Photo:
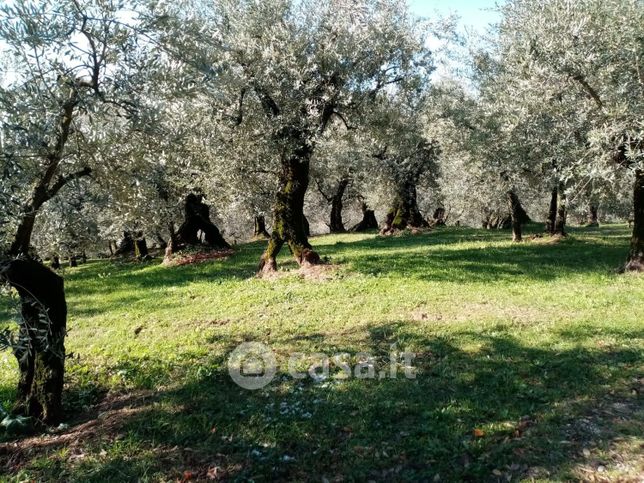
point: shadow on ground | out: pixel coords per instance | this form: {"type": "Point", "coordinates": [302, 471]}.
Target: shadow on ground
{"type": "Point", "coordinates": [432, 257]}
{"type": "Point", "coordinates": [504, 410]}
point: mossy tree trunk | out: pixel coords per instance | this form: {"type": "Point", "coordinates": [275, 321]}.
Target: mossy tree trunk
{"type": "Point", "coordinates": [405, 212]}
{"type": "Point", "coordinates": [41, 349]}
{"type": "Point", "coordinates": [288, 211]}
{"type": "Point", "coordinates": [336, 225]}
{"type": "Point", "coordinates": [260, 231]}
{"type": "Point", "coordinates": [368, 221]}
{"type": "Point", "coordinates": [552, 212]}
{"type": "Point", "coordinates": [635, 261]}
{"type": "Point", "coordinates": [560, 221]}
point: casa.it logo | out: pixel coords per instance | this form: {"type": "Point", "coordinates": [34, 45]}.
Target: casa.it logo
{"type": "Point", "coordinates": [252, 365]}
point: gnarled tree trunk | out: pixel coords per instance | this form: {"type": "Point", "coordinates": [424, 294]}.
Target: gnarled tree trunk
{"type": "Point", "coordinates": [517, 214]}
{"type": "Point", "coordinates": [161, 241]}
{"type": "Point", "coordinates": [288, 212]}
{"type": "Point", "coordinates": [259, 231]}
{"type": "Point", "coordinates": [405, 212]}
{"type": "Point", "coordinates": [495, 220]}
{"type": "Point", "coordinates": [593, 218]}
{"type": "Point", "coordinates": [368, 221]}
{"type": "Point", "coordinates": [41, 351]}
{"type": "Point", "coordinates": [439, 217]}
{"type": "Point", "coordinates": [197, 219]}
{"type": "Point", "coordinates": [552, 212]}
{"type": "Point", "coordinates": [635, 261]}
{"type": "Point", "coordinates": [336, 225]}
{"type": "Point", "coordinates": [22, 239]}
{"type": "Point", "coordinates": [125, 246]}
{"type": "Point", "coordinates": [560, 221]}
{"type": "Point", "coordinates": [141, 247]}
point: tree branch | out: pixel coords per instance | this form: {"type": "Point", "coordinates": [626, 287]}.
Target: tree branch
{"type": "Point", "coordinates": [344, 121]}
{"type": "Point", "coordinates": [63, 180]}
{"type": "Point", "coordinates": [270, 106]}
{"type": "Point", "coordinates": [240, 111]}
{"type": "Point", "coordinates": [324, 195]}
{"type": "Point", "coordinates": [589, 89]}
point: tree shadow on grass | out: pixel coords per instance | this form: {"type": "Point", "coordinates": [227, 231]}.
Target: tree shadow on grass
{"type": "Point", "coordinates": [430, 259]}
{"type": "Point", "coordinates": [95, 276]}
{"type": "Point", "coordinates": [504, 410]}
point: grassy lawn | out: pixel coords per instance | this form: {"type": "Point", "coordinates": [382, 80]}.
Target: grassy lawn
{"type": "Point", "coordinates": [528, 358]}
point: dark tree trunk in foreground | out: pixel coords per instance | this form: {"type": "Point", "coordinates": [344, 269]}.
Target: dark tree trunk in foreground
{"type": "Point", "coordinates": [405, 212]}
{"type": "Point", "coordinates": [41, 351]}
{"type": "Point", "coordinates": [336, 225]}
{"type": "Point", "coordinates": [593, 218]}
{"type": "Point", "coordinates": [560, 221]}
{"type": "Point", "coordinates": [635, 261]}
{"type": "Point", "coordinates": [552, 212]}
{"type": "Point", "coordinates": [517, 215]}
{"type": "Point", "coordinates": [197, 219]}
{"type": "Point", "coordinates": [259, 231]}
{"type": "Point", "coordinates": [368, 221]}
{"type": "Point", "coordinates": [288, 212]}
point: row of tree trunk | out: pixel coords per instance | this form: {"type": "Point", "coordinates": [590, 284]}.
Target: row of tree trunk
{"type": "Point", "coordinates": [557, 212]}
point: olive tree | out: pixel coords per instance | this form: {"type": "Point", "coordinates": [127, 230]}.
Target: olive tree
{"type": "Point", "coordinates": [587, 56]}
{"type": "Point", "coordinates": [289, 68]}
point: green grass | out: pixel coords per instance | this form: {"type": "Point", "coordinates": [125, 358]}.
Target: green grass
{"type": "Point", "coordinates": [538, 346]}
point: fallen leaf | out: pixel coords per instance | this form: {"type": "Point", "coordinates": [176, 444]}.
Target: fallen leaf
{"type": "Point", "coordinates": [187, 476]}
{"type": "Point", "coordinates": [479, 433]}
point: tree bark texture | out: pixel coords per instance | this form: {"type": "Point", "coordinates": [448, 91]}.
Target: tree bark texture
{"type": "Point", "coordinates": [41, 350]}
{"type": "Point", "coordinates": [289, 223]}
